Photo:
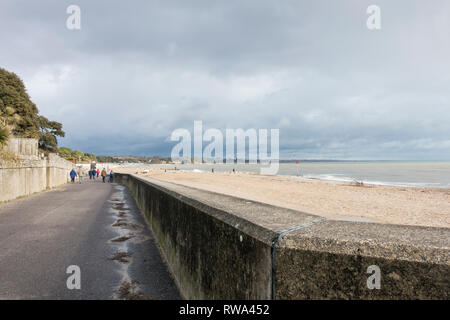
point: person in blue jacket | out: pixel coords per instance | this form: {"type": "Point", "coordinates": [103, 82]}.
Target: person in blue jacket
{"type": "Point", "coordinates": [73, 175]}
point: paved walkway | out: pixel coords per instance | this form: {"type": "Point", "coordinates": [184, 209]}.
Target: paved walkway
{"type": "Point", "coordinates": [43, 234]}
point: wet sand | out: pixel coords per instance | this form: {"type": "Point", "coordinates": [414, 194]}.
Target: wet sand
{"type": "Point", "coordinates": [333, 200]}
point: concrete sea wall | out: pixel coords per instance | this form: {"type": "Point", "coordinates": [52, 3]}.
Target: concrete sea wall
{"type": "Point", "coordinates": [221, 247]}
{"type": "Point", "coordinates": [29, 171]}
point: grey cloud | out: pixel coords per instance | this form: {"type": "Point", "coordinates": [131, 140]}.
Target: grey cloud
{"type": "Point", "coordinates": [138, 70]}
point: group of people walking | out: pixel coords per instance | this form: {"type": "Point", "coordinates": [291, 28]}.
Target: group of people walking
{"type": "Point", "coordinates": [93, 174]}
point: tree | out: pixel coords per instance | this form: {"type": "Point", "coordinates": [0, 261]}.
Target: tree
{"type": "Point", "coordinates": [4, 135]}
{"type": "Point", "coordinates": [48, 132]}
{"type": "Point", "coordinates": [75, 155]}
{"type": "Point", "coordinates": [89, 157]}
{"type": "Point", "coordinates": [20, 116]}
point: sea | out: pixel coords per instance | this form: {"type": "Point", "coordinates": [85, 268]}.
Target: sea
{"type": "Point", "coordinates": [419, 174]}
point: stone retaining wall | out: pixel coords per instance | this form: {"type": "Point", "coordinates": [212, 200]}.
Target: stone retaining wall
{"type": "Point", "coordinates": [30, 172]}
{"type": "Point", "coordinates": [221, 247]}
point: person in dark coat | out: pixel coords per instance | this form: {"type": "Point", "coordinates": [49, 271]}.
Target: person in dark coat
{"type": "Point", "coordinates": [104, 174]}
{"type": "Point", "coordinates": [73, 175]}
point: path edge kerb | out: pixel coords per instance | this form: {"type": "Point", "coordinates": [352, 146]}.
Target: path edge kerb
{"type": "Point", "coordinates": [416, 259]}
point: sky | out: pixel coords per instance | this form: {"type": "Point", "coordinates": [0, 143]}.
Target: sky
{"type": "Point", "coordinates": [138, 70]}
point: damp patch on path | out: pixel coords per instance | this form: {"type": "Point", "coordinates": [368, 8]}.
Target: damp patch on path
{"type": "Point", "coordinates": [121, 239]}
{"type": "Point", "coordinates": [121, 256]}
{"type": "Point", "coordinates": [129, 290]}
{"type": "Point", "coordinates": [128, 231]}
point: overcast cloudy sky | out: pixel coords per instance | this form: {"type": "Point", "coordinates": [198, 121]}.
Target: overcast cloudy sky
{"type": "Point", "coordinates": [137, 70]}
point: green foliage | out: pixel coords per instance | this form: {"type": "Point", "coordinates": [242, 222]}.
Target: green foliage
{"type": "Point", "coordinates": [49, 131]}
{"type": "Point", "coordinates": [4, 135]}
{"type": "Point", "coordinates": [90, 156]}
{"type": "Point", "coordinates": [20, 116]}
{"type": "Point", "coordinates": [75, 155]}
{"type": "Point", "coordinates": [7, 156]}
{"type": "Point", "coordinates": [107, 159]}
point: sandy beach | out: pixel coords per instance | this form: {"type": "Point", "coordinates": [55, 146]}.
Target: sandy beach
{"type": "Point", "coordinates": [333, 200]}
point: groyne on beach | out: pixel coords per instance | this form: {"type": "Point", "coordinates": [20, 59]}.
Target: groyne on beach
{"type": "Point", "coordinates": [27, 171]}
{"type": "Point", "coordinates": [223, 247]}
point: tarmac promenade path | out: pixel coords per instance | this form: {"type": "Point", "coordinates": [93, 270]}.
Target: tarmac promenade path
{"type": "Point", "coordinates": [93, 225]}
